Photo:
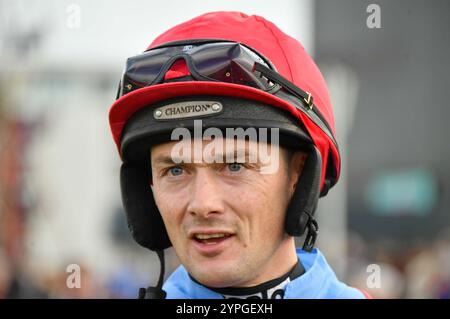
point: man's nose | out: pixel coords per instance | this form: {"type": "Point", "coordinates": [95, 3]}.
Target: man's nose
{"type": "Point", "coordinates": [206, 195]}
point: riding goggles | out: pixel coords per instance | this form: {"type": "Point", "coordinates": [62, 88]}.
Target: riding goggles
{"type": "Point", "coordinates": [207, 60]}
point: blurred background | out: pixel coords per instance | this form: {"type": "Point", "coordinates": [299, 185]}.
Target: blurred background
{"type": "Point", "coordinates": [385, 227]}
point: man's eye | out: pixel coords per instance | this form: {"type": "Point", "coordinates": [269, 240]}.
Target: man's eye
{"type": "Point", "coordinates": [176, 171]}
{"type": "Point", "coordinates": [234, 167]}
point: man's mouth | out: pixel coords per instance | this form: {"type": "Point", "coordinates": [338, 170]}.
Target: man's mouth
{"type": "Point", "coordinates": [209, 242]}
{"type": "Point", "coordinates": [211, 239]}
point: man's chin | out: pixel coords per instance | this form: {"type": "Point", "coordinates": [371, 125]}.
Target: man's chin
{"type": "Point", "coordinates": [215, 277]}
{"type": "Point", "coordinates": [214, 282]}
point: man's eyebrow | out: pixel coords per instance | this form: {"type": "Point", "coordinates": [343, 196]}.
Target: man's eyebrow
{"type": "Point", "coordinates": [164, 159]}
{"type": "Point", "coordinates": [235, 155]}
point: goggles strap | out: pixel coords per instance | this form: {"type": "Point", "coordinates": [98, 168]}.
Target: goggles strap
{"type": "Point", "coordinates": [275, 77]}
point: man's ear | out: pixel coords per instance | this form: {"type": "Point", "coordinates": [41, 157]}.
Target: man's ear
{"type": "Point", "coordinates": [297, 162]}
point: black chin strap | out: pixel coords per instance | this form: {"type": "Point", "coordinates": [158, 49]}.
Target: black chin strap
{"type": "Point", "coordinates": [311, 236]}
{"type": "Point", "coordinates": [155, 292]}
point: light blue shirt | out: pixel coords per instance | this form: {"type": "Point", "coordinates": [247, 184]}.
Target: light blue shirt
{"type": "Point", "coordinates": [318, 281]}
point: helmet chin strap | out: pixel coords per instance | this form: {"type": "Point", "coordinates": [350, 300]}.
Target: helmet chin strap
{"type": "Point", "coordinates": [311, 236]}
{"type": "Point", "coordinates": [155, 292]}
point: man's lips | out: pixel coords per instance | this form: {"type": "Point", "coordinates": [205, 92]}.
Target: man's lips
{"type": "Point", "coordinates": [203, 234]}
{"type": "Point", "coordinates": [210, 242]}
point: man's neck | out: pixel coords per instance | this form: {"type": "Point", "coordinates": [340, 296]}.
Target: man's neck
{"type": "Point", "coordinates": [272, 289]}
{"type": "Point", "coordinates": [280, 263]}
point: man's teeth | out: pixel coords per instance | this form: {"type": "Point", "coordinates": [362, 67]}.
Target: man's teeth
{"type": "Point", "coordinates": [208, 236]}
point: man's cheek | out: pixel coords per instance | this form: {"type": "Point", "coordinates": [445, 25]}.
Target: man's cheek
{"type": "Point", "coordinates": [162, 202]}
{"type": "Point", "coordinates": [166, 211]}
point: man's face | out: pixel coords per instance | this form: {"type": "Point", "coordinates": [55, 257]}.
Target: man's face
{"type": "Point", "coordinates": [226, 220]}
